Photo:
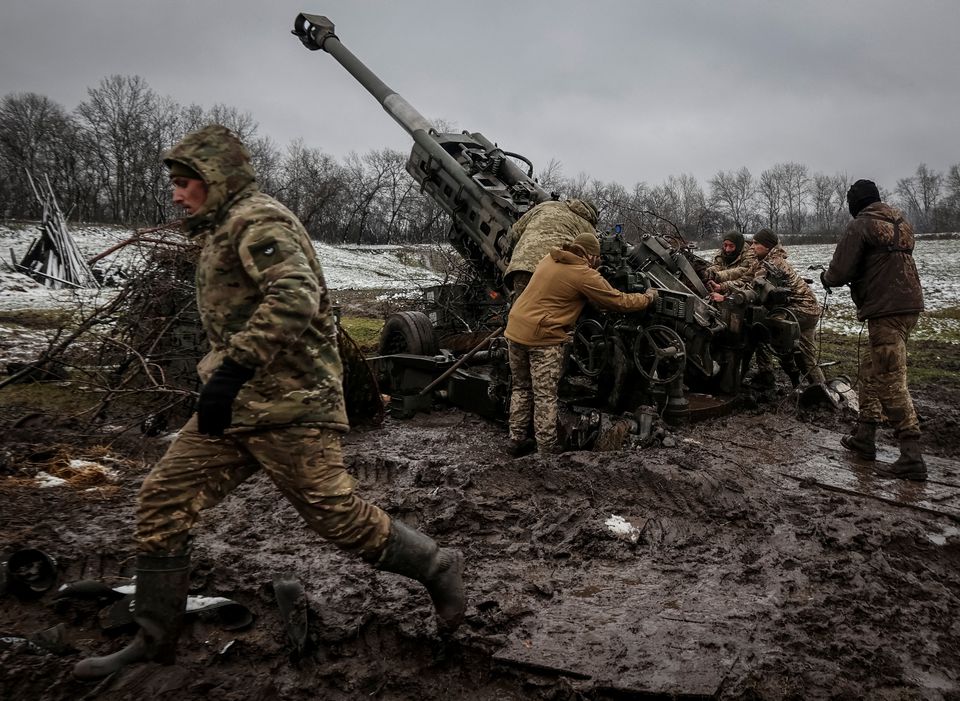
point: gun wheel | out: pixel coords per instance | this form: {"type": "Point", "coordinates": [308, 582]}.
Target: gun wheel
{"type": "Point", "coordinates": [783, 314]}
{"type": "Point", "coordinates": [659, 354]}
{"type": "Point", "coordinates": [589, 349]}
{"type": "Point", "coordinates": [408, 332]}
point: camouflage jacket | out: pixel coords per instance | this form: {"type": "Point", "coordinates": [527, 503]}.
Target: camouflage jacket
{"type": "Point", "coordinates": [777, 271]}
{"type": "Point", "coordinates": [875, 256]}
{"type": "Point", "coordinates": [261, 293]}
{"type": "Point", "coordinates": [741, 266]}
{"type": "Point", "coordinates": [547, 225]}
{"type": "Point", "coordinates": [545, 313]}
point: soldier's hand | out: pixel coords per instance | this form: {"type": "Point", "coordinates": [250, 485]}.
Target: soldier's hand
{"type": "Point", "coordinates": [215, 405]}
{"type": "Point", "coordinates": [823, 281]}
{"type": "Point", "coordinates": [653, 295]}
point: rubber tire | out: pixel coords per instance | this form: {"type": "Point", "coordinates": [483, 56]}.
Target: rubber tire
{"type": "Point", "coordinates": [408, 332]}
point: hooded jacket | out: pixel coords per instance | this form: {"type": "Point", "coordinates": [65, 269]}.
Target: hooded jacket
{"type": "Point", "coordinates": [547, 225]}
{"type": "Point", "coordinates": [261, 292]}
{"type": "Point", "coordinates": [875, 257]}
{"type": "Point", "coordinates": [545, 313]}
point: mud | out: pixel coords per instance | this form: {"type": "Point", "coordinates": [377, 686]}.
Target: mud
{"type": "Point", "coordinates": [721, 568]}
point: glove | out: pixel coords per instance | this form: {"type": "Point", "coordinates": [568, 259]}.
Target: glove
{"type": "Point", "coordinates": [215, 405]}
{"type": "Point", "coordinates": [823, 281]}
{"type": "Point", "coordinates": [653, 295]}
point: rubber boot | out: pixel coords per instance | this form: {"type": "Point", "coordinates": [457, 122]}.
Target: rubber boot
{"type": "Point", "coordinates": [159, 603]}
{"type": "Point", "coordinates": [520, 448]}
{"type": "Point", "coordinates": [863, 440]}
{"type": "Point", "coordinates": [413, 554]}
{"type": "Point", "coordinates": [910, 464]}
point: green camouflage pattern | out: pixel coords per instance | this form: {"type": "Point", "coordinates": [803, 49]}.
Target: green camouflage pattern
{"type": "Point", "coordinates": [261, 293]}
{"type": "Point", "coordinates": [727, 273]}
{"type": "Point", "coordinates": [535, 375]}
{"type": "Point", "coordinates": [548, 225]}
{"type": "Point", "coordinates": [306, 463]}
{"type": "Point", "coordinates": [883, 388]}
{"type": "Point", "coordinates": [780, 273]}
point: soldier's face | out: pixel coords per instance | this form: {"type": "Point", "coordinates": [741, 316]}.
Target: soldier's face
{"type": "Point", "coordinates": [729, 247]}
{"type": "Point", "coordinates": [189, 193]}
{"type": "Point", "coordinates": [760, 250]}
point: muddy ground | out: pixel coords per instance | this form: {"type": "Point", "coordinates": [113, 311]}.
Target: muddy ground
{"type": "Point", "coordinates": [737, 573]}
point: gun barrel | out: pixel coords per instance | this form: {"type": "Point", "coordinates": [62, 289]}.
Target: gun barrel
{"type": "Point", "coordinates": [316, 32]}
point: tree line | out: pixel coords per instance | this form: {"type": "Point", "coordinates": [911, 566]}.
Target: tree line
{"type": "Point", "coordinates": [103, 162]}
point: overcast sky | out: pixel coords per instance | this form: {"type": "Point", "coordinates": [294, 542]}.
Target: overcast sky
{"type": "Point", "coordinates": [622, 91]}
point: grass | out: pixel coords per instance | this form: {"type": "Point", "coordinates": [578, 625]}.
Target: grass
{"type": "Point", "coordinates": [60, 398]}
{"type": "Point", "coordinates": [364, 330]}
{"type": "Point", "coordinates": [928, 363]}
{"type": "Point", "coordinates": [38, 318]}
{"type": "Point", "coordinates": [945, 313]}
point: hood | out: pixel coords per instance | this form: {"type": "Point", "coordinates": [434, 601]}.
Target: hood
{"type": "Point", "coordinates": [222, 161]}
{"type": "Point", "coordinates": [584, 210]}
{"type": "Point", "coordinates": [737, 239]}
{"type": "Point", "coordinates": [566, 257]}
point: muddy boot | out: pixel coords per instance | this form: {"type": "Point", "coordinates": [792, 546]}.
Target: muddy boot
{"type": "Point", "coordinates": [794, 376]}
{"type": "Point", "coordinates": [518, 449]}
{"type": "Point", "coordinates": [910, 464]}
{"type": "Point", "coordinates": [413, 554]}
{"type": "Point", "coordinates": [159, 603]}
{"type": "Point", "coordinates": [863, 440]}
{"type": "Point", "coordinates": [764, 379]}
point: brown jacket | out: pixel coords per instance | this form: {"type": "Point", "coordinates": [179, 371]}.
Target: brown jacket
{"type": "Point", "coordinates": [875, 256]}
{"type": "Point", "coordinates": [546, 311]}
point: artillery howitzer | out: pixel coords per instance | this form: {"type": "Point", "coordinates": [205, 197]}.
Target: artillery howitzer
{"type": "Point", "coordinates": [618, 361]}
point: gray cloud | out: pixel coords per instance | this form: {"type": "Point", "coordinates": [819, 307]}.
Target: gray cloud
{"type": "Point", "coordinates": [621, 91]}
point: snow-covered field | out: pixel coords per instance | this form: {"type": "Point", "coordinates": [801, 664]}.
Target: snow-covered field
{"type": "Point", "coordinates": [389, 268]}
{"type": "Point", "coordinates": [402, 270]}
{"type": "Point", "coordinates": [937, 261]}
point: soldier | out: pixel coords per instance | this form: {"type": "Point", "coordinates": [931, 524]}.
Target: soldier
{"type": "Point", "coordinates": [272, 399]}
{"type": "Point", "coordinates": [734, 265]}
{"type": "Point", "coordinates": [875, 257]}
{"type": "Point", "coordinates": [538, 329]}
{"type": "Point", "coordinates": [772, 265]}
{"type": "Point", "coordinates": [545, 226]}
{"type": "Point", "coordinates": [733, 261]}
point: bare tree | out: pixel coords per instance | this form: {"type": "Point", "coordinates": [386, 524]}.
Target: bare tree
{"type": "Point", "coordinates": [770, 195]}
{"type": "Point", "coordinates": [919, 195]}
{"type": "Point", "coordinates": [796, 181]}
{"type": "Point", "coordinates": [114, 120]}
{"type": "Point", "coordinates": [733, 195]}
{"type": "Point", "coordinates": [35, 135]}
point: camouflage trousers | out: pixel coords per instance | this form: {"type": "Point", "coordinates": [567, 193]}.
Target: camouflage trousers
{"type": "Point", "coordinates": [804, 358]}
{"type": "Point", "coordinates": [883, 375]}
{"type": "Point", "coordinates": [535, 374]}
{"type": "Point", "coordinates": [305, 463]}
